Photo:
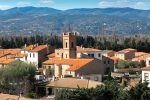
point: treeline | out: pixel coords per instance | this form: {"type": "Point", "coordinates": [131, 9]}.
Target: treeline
{"type": "Point", "coordinates": [20, 41]}
{"type": "Point", "coordinates": [110, 91]}
{"type": "Point", "coordinates": [116, 43]}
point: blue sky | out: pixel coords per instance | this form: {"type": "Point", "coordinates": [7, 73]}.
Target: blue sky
{"type": "Point", "coordinates": [69, 4]}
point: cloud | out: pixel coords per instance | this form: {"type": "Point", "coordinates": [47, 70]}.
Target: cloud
{"type": "Point", "coordinates": [47, 1]}
{"type": "Point", "coordinates": [124, 3]}
{"type": "Point", "coordinates": [21, 4]}
{"type": "Point", "coordinates": [4, 7]}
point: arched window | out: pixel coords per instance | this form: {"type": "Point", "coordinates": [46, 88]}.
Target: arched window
{"type": "Point", "coordinates": [66, 45]}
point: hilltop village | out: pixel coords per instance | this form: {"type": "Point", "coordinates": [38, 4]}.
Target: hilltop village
{"type": "Point", "coordinates": [74, 66]}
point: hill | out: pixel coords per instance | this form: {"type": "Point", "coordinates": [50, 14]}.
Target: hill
{"type": "Point", "coordinates": [91, 21]}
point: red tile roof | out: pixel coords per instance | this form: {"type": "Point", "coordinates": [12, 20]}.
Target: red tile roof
{"type": "Point", "coordinates": [38, 48]}
{"type": "Point", "coordinates": [115, 59]}
{"type": "Point", "coordinates": [74, 83]}
{"type": "Point", "coordinates": [75, 64]}
{"type": "Point", "coordinates": [28, 47]}
{"type": "Point", "coordinates": [20, 55]}
{"type": "Point", "coordinates": [137, 54]}
{"type": "Point", "coordinates": [6, 61]}
{"type": "Point", "coordinates": [51, 55]}
{"type": "Point", "coordinates": [143, 57]}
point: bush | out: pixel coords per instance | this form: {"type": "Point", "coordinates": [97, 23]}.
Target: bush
{"type": "Point", "coordinates": [32, 95]}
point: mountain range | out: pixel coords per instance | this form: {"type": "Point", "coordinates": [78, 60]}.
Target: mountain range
{"type": "Point", "coordinates": [87, 21]}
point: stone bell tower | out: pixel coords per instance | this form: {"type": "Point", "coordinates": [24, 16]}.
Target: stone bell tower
{"type": "Point", "coordinates": [69, 45]}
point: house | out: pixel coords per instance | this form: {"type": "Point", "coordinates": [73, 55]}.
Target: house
{"type": "Point", "coordinates": [146, 74]}
{"type": "Point", "coordinates": [67, 62]}
{"type": "Point", "coordinates": [70, 83]}
{"type": "Point", "coordinates": [144, 58]}
{"type": "Point", "coordinates": [138, 54]}
{"type": "Point", "coordinates": [8, 53]}
{"type": "Point", "coordinates": [88, 52]}
{"type": "Point", "coordinates": [34, 54]}
{"type": "Point", "coordinates": [126, 54]}
{"type": "Point", "coordinates": [108, 53]}
{"type": "Point", "coordinates": [72, 67]}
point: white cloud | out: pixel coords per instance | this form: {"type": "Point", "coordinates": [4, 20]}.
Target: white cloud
{"type": "Point", "coordinates": [47, 1]}
{"type": "Point", "coordinates": [21, 4]}
{"type": "Point", "coordinates": [4, 7]}
{"type": "Point", "coordinates": [124, 3]}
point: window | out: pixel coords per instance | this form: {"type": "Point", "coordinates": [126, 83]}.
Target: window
{"type": "Point", "coordinates": [33, 55]}
{"type": "Point", "coordinates": [66, 45]}
{"type": "Point", "coordinates": [91, 55]}
{"type": "Point", "coordinates": [99, 55]}
{"type": "Point", "coordinates": [72, 45]}
{"type": "Point", "coordinates": [146, 75]}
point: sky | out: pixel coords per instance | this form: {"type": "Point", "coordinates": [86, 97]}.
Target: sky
{"type": "Point", "coordinates": [70, 4]}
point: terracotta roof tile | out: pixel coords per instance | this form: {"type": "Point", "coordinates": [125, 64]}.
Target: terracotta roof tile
{"type": "Point", "coordinates": [6, 61]}
{"type": "Point", "coordinates": [143, 57]}
{"type": "Point", "coordinates": [115, 59]}
{"type": "Point", "coordinates": [9, 51]}
{"type": "Point", "coordinates": [74, 83]}
{"type": "Point", "coordinates": [75, 64]}
{"type": "Point", "coordinates": [38, 48]}
{"type": "Point", "coordinates": [20, 55]}
{"type": "Point", "coordinates": [137, 54]}
{"type": "Point", "coordinates": [28, 47]}
{"type": "Point", "coordinates": [51, 55]}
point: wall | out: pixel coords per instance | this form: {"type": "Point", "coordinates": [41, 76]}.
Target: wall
{"type": "Point", "coordinates": [148, 72]}
{"type": "Point", "coordinates": [94, 77]}
{"type": "Point", "coordinates": [148, 61]}
{"type": "Point", "coordinates": [94, 67]}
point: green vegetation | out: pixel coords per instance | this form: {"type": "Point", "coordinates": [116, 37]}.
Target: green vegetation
{"type": "Point", "coordinates": [110, 91]}
{"type": "Point", "coordinates": [115, 43]}
{"type": "Point", "coordinates": [32, 95]}
{"type": "Point", "coordinates": [15, 77]}
{"type": "Point", "coordinates": [130, 64]}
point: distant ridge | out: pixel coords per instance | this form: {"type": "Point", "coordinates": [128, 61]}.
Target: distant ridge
{"type": "Point", "coordinates": [43, 20]}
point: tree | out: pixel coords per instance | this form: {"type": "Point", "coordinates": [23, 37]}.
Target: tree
{"type": "Point", "coordinates": [128, 64]}
{"type": "Point", "coordinates": [137, 92]}
{"type": "Point", "coordinates": [15, 76]}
